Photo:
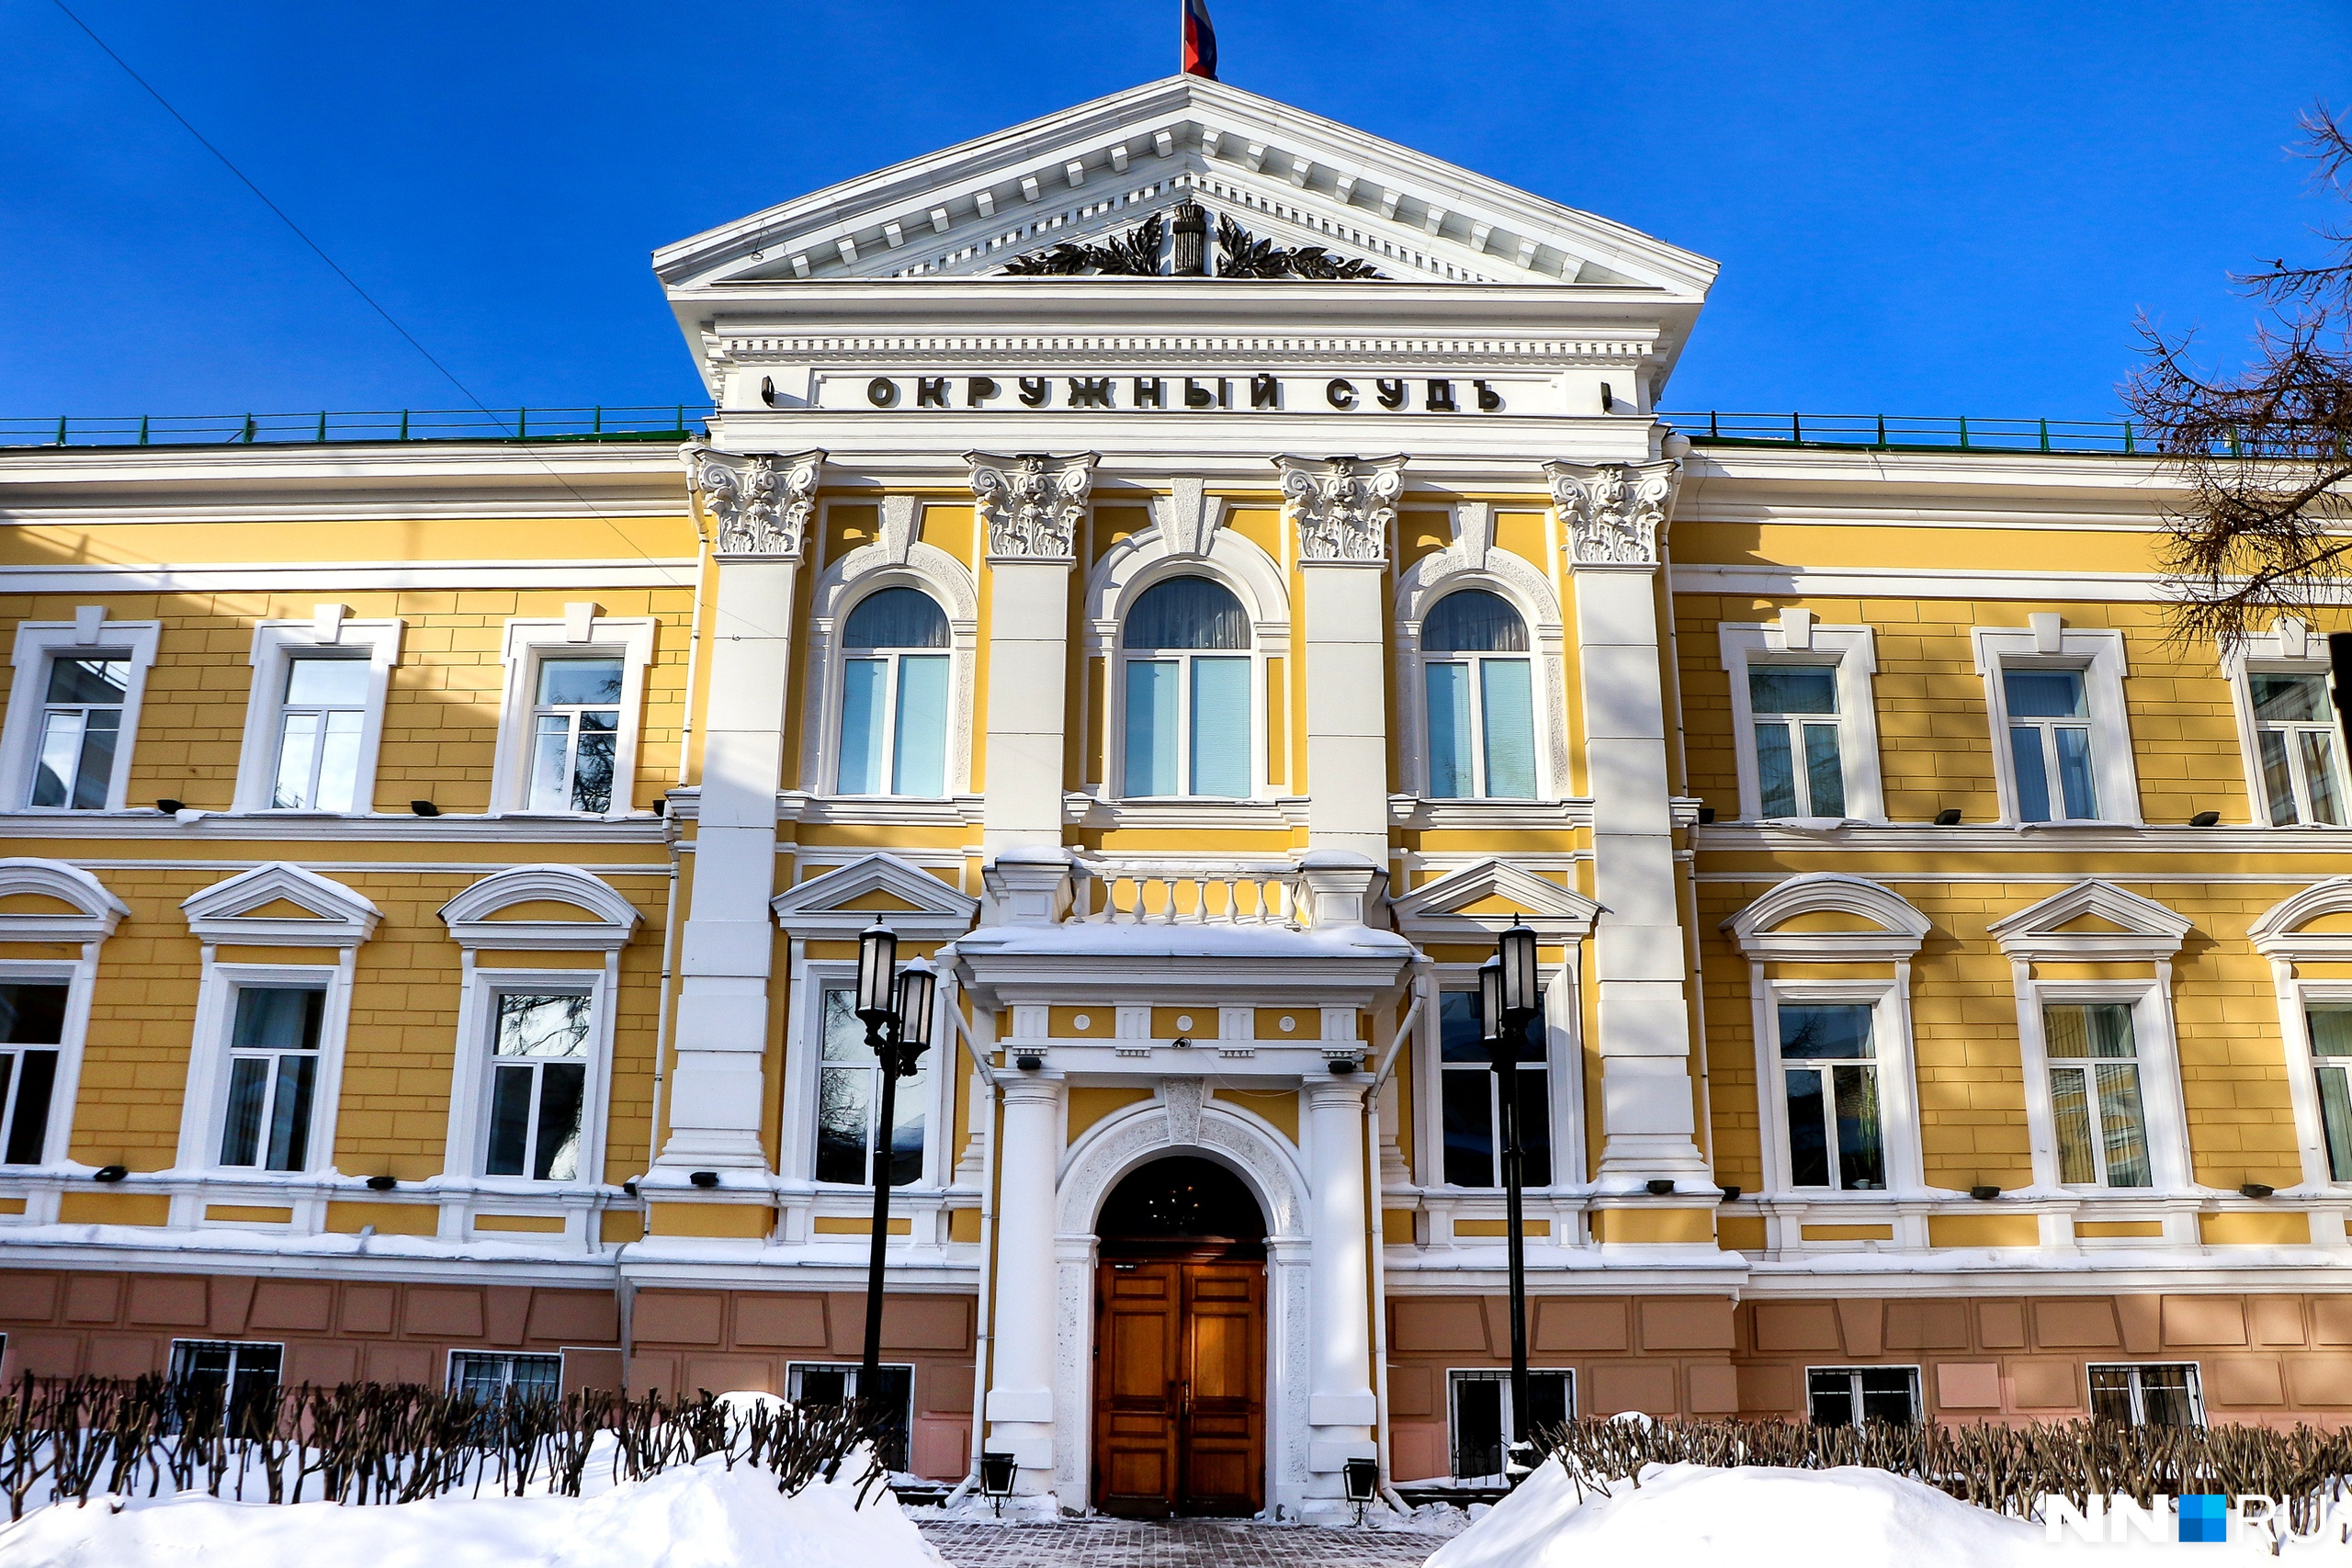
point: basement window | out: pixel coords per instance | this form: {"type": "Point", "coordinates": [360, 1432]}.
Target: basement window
{"type": "Point", "coordinates": [1481, 1415]}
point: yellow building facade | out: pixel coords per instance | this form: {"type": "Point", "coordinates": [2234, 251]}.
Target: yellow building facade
{"type": "Point", "coordinates": [1197, 573]}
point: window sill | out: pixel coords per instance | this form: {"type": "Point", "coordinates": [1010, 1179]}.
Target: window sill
{"type": "Point", "coordinates": [1423, 813]}
{"type": "Point", "coordinates": [1281, 812]}
{"type": "Point", "coordinates": [912, 810]}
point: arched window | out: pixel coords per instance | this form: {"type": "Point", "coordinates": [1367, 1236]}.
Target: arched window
{"type": "Point", "coordinates": [1187, 683]}
{"type": "Point", "coordinates": [1481, 694]}
{"type": "Point", "coordinates": [894, 696]}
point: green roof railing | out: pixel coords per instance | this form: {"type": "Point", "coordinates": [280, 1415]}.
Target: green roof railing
{"type": "Point", "coordinates": [635, 421]}
{"type": "Point", "coordinates": [1907, 433]}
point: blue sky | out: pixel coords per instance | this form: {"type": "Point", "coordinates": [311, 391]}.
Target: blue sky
{"type": "Point", "coordinates": [1918, 209]}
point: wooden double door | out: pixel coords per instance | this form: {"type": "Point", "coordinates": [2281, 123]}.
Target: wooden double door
{"type": "Point", "coordinates": [1179, 1412]}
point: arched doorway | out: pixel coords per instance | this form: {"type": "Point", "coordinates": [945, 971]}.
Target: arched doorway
{"type": "Point", "coordinates": [1179, 1338]}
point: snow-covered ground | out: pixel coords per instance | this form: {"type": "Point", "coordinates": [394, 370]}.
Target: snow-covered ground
{"type": "Point", "coordinates": [701, 1516]}
{"type": "Point", "coordinates": [1761, 1517]}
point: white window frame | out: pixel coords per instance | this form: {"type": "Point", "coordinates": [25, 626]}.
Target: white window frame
{"type": "Point", "coordinates": [94, 914]}
{"type": "Point", "coordinates": [1891, 1053]}
{"type": "Point", "coordinates": [1538, 735]}
{"type": "Point", "coordinates": [90, 635]}
{"type": "Point", "coordinates": [836, 711]}
{"type": "Point", "coordinates": [172, 1356]}
{"type": "Point", "coordinates": [1796, 638]}
{"type": "Point", "coordinates": [2157, 1053]}
{"type": "Point", "coordinates": [2099, 653]}
{"type": "Point", "coordinates": [1493, 1374]}
{"type": "Point", "coordinates": [2139, 1406]}
{"type": "Point", "coordinates": [205, 1114]}
{"type": "Point", "coordinates": [77, 979]}
{"type": "Point", "coordinates": [1562, 1055]}
{"type": "Point", "coordinates": [277, 644]}
{"type": "Point", "coordinates": [606, 926]}
{"type": "Point", "coordinates": [816, 977]}
{"type": "Point", "coordinates": [2286, 649]}
{"type": "Point", "coordinates": [2296, 996]}
{"type": "Point", "coordinates": [1473, 561]}
{"type": "Point", "coordinates": [1116, 699]}
{"type": "Point", "coordinates": [582, 633]}
{"type": "Point", "coordinates": [449, 1365]}
{"type": "Point", "coordinates": [1918, 1393]}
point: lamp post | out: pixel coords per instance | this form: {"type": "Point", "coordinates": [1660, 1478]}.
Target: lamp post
{"type": "Point", "coordinates": [1509, 999]}
{"type": "Point", "coordinates": [894, 1003]}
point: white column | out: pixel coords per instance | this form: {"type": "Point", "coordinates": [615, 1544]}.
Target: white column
{"type": "Point", "coordinates": [1613, 516]}
{"type": "Point", "coordinates": [1340, 510]}
{"type": "Point", "coordinates": [760, 507]}
{"type": "Point", "coordinates": [1032, 507]}
{"type": "Point", "coordinates": [1020, 1391]}
{"type": "Point", "coordinates": [1340, 1409]}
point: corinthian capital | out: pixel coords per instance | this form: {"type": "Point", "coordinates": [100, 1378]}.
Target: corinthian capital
{"type": "Point", "coordinates": [1032, 503]}
{"type": "Point", "coordinates": [1341, 507]}
{"type": "Point", "coordinates": [1614, 512]}
{"type": "Point", "coordinates": [761, 503]}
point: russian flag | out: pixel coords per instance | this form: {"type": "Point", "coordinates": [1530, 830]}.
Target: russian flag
{"type": "Point", "coordinates": [1200, 40]}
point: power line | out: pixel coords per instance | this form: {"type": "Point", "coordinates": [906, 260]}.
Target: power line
{"type": "Point", "coordinates": [320, 250]}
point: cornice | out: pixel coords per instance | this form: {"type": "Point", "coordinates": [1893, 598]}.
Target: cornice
{"type": "Point", "coordinates": [2071, 840]}
{"type": "Point", "coordinates": [223, 829]}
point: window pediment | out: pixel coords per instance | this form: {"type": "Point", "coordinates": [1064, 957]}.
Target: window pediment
{"type": "Point", "coordinates": [2309, 926]}
{"type": "Point", "coordinates": [238, 911]}
{"type": "Point", "coordinates": [845, 900]}
{"type": "Point", "coordinates": [2090, 921]}
{"type": "Point", "coordinates": [1478, 902]}
{"type": "Point", "coordinates": [89, 913]}
{"type": "Point", "coordinates": [531, 908]}
{"type": "Point", "coordinates": [1786, 924]}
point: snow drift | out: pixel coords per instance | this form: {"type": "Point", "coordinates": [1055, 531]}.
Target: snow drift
{"type": "Point", "coordinates": [701, 1516]}
{"type": "Point", "coordinates": [1688, 1515]}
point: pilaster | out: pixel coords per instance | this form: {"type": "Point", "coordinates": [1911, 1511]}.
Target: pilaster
{"type": "Point", "coordinates": [1031, 507]}
{"type": "Point", "coordinates": [1614, 517]}
{"type": "Point", "coordinates": [1340, 1409]}
{"type": "Point", "coordinates": [759, 508]}
{"type": "Point", "coordinates": [1020, 1411]}
{"type": "Point", "coordinates": [1341, 512]}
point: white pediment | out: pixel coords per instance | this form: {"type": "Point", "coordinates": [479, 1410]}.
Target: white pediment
{"type": "Point", "coordinates": [1892, 928]}
{"type": "Point", "coordinates": [845, 900]}
{"type": "Point", "coordinates": [1291, 178]}
{"type": "Point", "coordinates": [2092, 921]}
{"type": "Point", "coordinates": [1478, 902]}
{"type": "Point", "coordinates": [279, 904]}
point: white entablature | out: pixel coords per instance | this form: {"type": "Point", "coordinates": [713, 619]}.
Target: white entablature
{"type": "Point", "coordinates": [1290, 177]}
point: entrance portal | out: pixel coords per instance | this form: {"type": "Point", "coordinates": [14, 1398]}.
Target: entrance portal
{"type": "Point", "coordinates": [1180, 1336]}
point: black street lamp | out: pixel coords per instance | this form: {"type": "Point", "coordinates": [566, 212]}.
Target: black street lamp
{"type": "Point", "coordinates": [895, 1005]}
{"type": "Point", "coordinates": [1509, 1000]}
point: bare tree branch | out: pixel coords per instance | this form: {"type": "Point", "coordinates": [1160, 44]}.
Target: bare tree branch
{"type": "Point", "coordinates": [2267, 452]}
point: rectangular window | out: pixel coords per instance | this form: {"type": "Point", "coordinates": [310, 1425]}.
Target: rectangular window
{"type": "Point", "coordinates": [273, 1072]}
{"type": "Point", "coordinates": [1481, 1408]}
{"type": "Point", "coordinates": [2050, 745]}
{"type": "Point", "coordinates": [2331, 1030]}
{"type": "Point", "coordinates": [494, 1380]}
{"type": "Point", "coordinates": [319, 720]}
{"type": "Point", "coordinates": [2147, 1395]}
{"type": "Point", "coordinates": [2095, 1095]}
{"type": "Point", "coordinates": [1507, 699]}
{"type": "Point", "coordinates": [1798, 769]}
{"type": "Point", "coordinates": [1829, 1069]}
{"type": "Point", "coordinates": [838, 1383]}
{"type": "Point", "coordinates": [1470, 1097]}
{"type": "Point", "coordinates": [538, 1084]}
{"type": "Point", "coordinates": [1151, 727]}
{"type": "Point", "coordinates": [848, 1091]}
{"type": "Point", "coordinates": [32, 1027]}
{"type": "Point", "coordinates": [1856, 1396]}
{"type": "Point", "coordinates": [2295, 728]}
{"type": "Point", "coordinates": [245, 1375]}
{"type": "Point", "coordinates": [1221, 726]}
{"type": "Point", "coordinates": [81, 724]}
{"type": "Point", "coordinates": [575, 725]}
{"type": "Point", "coordinates": [1453, 732]}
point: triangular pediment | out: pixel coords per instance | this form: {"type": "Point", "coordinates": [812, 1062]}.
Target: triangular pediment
{"type": "Point", "coordinates": [2091, 920]}
{"type": "Point", "coordinates": [1090, 174]}
{"type": "Point", "coordinates": [1476, 902]}
{"type": "Point", "coordinates": [843, 901]}
{"type": "Point", "coordinates": [278, 905]}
